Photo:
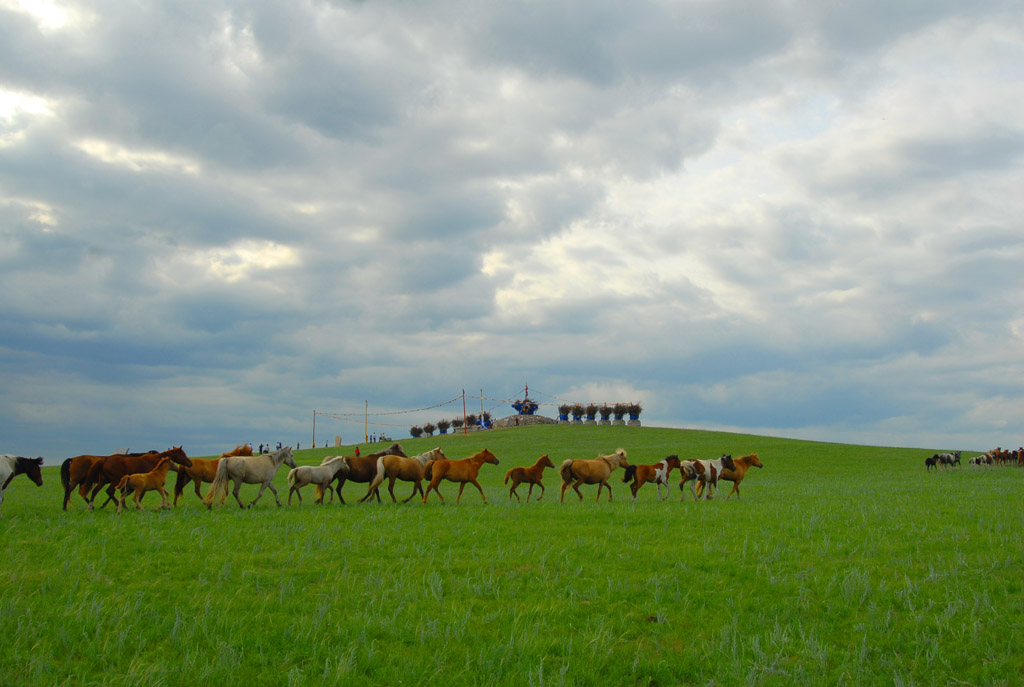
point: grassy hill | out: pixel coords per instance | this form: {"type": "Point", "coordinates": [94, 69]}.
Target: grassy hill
{"type": "Point", "coordinates": [840, 565]}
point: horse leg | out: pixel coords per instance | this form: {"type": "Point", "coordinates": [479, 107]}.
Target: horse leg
{"type": "Point", "coordinates": [512, 492]}
{"type": "Point", "coordinates": [576, 488]}
{"type": "Point", "coordinates": [478, 488]}
{"type": "Point", "coordinates": [416, 488]}
{"type": "Point", "coordinates": [391, 489]}
{"type": "Point", "coordinates": [541, 485]}
{"type": "Point", "coordinates": [462, 485]}
{"type": "Point", "coordinates": [562, 498]}
{"type": "Point", "coordinates": [735, 490]}
{"type": "Point", "coordinates": [238, 488]}
{"type": "Point", "coordinates": [337, 490]}
{"type": "Point", "coordinates": [164, 503]}
{"type": "Point", "coordinates": [608, 487]}
{"type": "Point", "coordinates": [273, 490]}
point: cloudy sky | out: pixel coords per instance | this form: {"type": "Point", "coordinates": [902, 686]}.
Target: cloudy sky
{"type": "Point", "coordinates": [799, 218]}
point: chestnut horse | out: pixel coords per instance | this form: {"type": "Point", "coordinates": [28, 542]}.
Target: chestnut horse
{"type": "Point", "coordinates": [111, 469]}
{"type": "Point", "coordinates": [591, 471]}
{"type": "Point", "coordinates": [531, 475]}
{"type": "Point", "coordinates": [74, 472]}
{"type": "Point", "coordinates": [139, 483]}
{"type": "Point", "coordinates": [736, 474]}
{"type": "Point", "coordinates": [322, 475]}
{"type": "Point", "coordinates": [657, 473]}
{"type": "Point", "coordinates": [405, 469]}
{"type": "Point", "coordinates": [249, 470]}
{"type": "Point", "coordinates": [12, 466]}
{"type": "Point", "coordinates": [462, 471]}
{"type": "Point", "coordinates": [361, 469]}
{"type": "Point", "coordinates": [203, 470]}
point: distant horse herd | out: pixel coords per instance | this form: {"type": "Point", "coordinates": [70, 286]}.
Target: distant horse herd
{"type": "Point", "coordinates": [133, 474]}
{"type": "Point", "coordinates": [996, 456]}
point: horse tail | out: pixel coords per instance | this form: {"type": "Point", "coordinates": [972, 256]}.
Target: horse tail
{"type": "Point", "coordinates": [378, 479]}
{"type": "Point", "coordinates": [566, 471]}
{"type": "Point", "coordinates": [507, 475]}
{"type": "Point", "coordinates": [291, 477]}
{"type": "Point", "coordinates": [179, 483]}
{"type": "Point", "coordinates": [630, 471]}
{"type": "Point", "coordinates": [65, 474]}
{"type": "Point", "coordinates": [220, 482]}
{"type": "Point", "coordinates": [123, 483]}
{"type": "Point", "coordinates": [428, 470]}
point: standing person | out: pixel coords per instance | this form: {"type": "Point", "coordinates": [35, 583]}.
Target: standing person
{"type": "Point", "coordinates": [357, 451]}
{"type": "Point", "coordinates": [261, 449]}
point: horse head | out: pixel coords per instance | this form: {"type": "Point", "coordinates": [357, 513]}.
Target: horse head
{"type": "Point", "coordinates": [755, 461]}
{"type": "Point", "coordinates": [178, 456]}
{"type": "Point", "coordinates": [545, 462]}
{"type": "Point", "coordinates": [727, 462]}
{"type": "Point", "coordinates": [619, 458]}
{"type": "Point", "coordinates": [672, 461]}
{"type": "Point", "coordinates": [287, 458]}
{"type": "Point", "coordinates": [30, 466]}
{"type": "Point", "coordinates": [488, 456]}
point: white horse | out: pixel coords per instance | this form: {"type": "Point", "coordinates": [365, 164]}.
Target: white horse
{"type": "Point", "coordinates": [250, 470]}
{"type": "Point", "coordinates": [322, 475]}
{"type": "Point", "coordinates": [11, 466]}
{"type": "Point", "coordinates": [405, 469]}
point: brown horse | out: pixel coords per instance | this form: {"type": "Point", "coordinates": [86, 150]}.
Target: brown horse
{"type": "Point", "coordinates": [591, 471]}
{"type": "Point", "coordinates": [111, 469]}
{"type": "Point", "coordinates": [657, 473]}
{"type": "Point", "coordinates": [736, 474]}
{"type": "Point", "coordinates": [406, 469]}
{"type": "Point", "coordinates": [203, 470]}
{"type": "Point", "coordinates": [361, 469]}
{"type": "Point", "coordinates": [462, 471]}
{"type": "Point", "coordinates": [74, 472]}
{"type": "Point", "coordinates": [141, 482]}
{"type": "Point", "coordinates": [531, 475]}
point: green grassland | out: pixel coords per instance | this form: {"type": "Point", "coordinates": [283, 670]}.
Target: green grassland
{"type": "Point", "coordinates": [841, 565]}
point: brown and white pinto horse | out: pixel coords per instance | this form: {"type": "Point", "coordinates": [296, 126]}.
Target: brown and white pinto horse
{"type": "Point", "coordinates": [705, 473]}
{"type": "Point", "coordinates": [657, 473]}
{"type": "Point", "coordinates": [462, 471]}
{"type": "Point", "coordinates": [530, 475]}
{"type": "Point", "coordinates": [735, 475]}
{"type": "Point", "coordinates": [139, 483]}
{"type": "Point", "coordinates": [591, 471]}
{"type": "Point", "coordinates": [12, 466]}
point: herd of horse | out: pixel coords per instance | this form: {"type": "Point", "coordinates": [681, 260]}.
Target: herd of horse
{"type": "Point", "coordinates": [133, 475]}
{"type": "Point", "coordinates": [997, 456]}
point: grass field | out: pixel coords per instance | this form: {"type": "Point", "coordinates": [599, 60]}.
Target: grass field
{"type": "Point", "coordinates": [841, 565]}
